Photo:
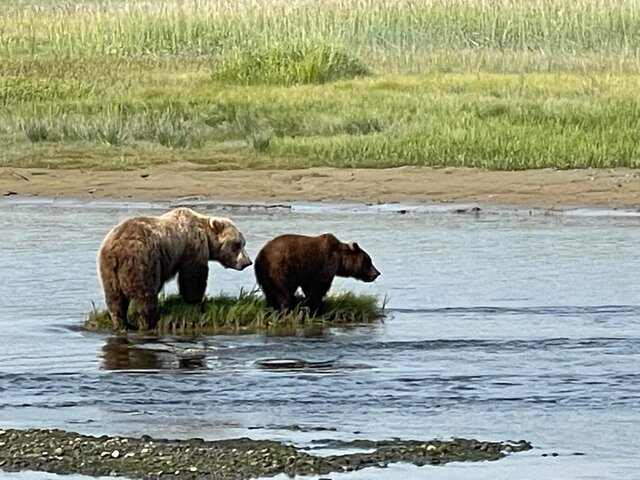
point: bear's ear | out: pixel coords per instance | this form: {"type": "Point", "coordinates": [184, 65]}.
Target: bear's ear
{"type": "Point", "coordinates": [216, 225]}
{"type": "Point", "coordinates": [354, 247]}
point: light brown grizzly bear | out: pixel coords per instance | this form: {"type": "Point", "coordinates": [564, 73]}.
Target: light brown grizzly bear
{"type": "Point", "coordinates": [290, 261]}
{"type": "Point", "coordinates": [141, 254]}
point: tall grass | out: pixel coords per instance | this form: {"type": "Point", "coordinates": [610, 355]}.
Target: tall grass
{"type": "Point", "coordinates": [506, 84]}
{"type": "Point", "coordinates": [386, 32]}
{"type": "Point", "coordinates": [485, 120]}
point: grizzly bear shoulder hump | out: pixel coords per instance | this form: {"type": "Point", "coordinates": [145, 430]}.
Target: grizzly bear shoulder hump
{"type": "Point", "coordinates": [329, 243]}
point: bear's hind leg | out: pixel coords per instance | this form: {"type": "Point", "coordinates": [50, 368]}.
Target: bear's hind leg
{"type": "Point", "coordinates": [148, 311]}
{"type": "Point", "coordinates": [314, 293]}
{"type": "Point", "coordinates": [314, 304]}
{"type": "Point", "coordinates": [277, 296]}
{"type": "Point", "coordinates": [279, 301]}
{"type": "Point", "coordinates": [118, 305]}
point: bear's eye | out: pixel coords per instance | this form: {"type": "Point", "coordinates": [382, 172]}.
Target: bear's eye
{"type": "Point", "coordinates": [236, 245]}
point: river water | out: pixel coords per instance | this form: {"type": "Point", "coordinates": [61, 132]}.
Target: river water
{"type": "Point", "coordinates": [503, 325]}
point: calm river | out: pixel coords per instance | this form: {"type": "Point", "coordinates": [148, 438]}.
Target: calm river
{"type": "Point", "coordinates": [502, 325]}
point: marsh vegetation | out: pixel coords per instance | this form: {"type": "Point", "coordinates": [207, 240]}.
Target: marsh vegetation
{"type": "Point", "coordinates": [247, 313]}
{"type": "Point", "coordinates": [510, 84]}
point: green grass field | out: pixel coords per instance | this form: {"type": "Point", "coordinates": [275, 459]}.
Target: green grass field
{"type": "Point", "coordinates": [506, 84]}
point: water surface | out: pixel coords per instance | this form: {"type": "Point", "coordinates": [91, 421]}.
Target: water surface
{"type": "Point", "coordinates": [501, 327]}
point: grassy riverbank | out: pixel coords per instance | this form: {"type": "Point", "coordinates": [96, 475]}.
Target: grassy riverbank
{"type": "Point", "coordinates": [248, 314]}
{"type": "Point", "coordinates": [512, 84]}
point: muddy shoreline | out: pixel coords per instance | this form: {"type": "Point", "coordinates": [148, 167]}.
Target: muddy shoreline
{"type": "Point", "coordinates": [63, 452]}
{"type": "Point", "coordinates": [545, 188]}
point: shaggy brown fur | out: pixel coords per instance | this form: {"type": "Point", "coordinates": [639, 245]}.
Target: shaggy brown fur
{"type": "Point", "coordinates": [291, 261]}
{"type": "Point", "coordinates": [141, 254]}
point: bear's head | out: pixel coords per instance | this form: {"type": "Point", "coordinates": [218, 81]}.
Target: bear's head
{"type": "Point", "coordinates": [226, 244]}
{"type": "Point", "coordinates": [356, 263]}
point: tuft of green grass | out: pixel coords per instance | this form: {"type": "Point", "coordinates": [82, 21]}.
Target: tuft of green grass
{"type": "Point", "coordinates": [26, 88]}
{"type": "Point", "coordinates": [248, 313]}
{"type": "Point", "coordinates": [36, 131]}
{"type": "Point", "coordinates": [173, 135]}
{"type": "Point", "coordinates": [289, 64]}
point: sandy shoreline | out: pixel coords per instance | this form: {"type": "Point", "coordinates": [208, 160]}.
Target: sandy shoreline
{"type": "Point", "coordinates": [547, 188]}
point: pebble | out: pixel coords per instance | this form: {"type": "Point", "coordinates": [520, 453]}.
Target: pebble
{"type": "Point", "coordinates": [115, 454]}
{"type": "Point", "coordinates": [193, 469]}
{"type": "Point", "coordinates": [58, 451]}
{"type": "Point", "coordinates": [431, 448]}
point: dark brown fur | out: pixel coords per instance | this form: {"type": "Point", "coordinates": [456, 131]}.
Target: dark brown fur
{"type": "Point", "coordinates": [141, 254]}
{"type": "Point", "coordinates": [290, 261]}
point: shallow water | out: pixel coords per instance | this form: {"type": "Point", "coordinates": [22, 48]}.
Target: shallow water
{"type": "Point", "coordinates": [502, 326]}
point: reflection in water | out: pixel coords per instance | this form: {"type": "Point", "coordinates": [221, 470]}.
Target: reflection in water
{"type": "Point", "coordinates": [295, 364]}
{"type": "Point", "coordinates": [123, 353]}
{"type": "Point", "coordinates": [119, 353]}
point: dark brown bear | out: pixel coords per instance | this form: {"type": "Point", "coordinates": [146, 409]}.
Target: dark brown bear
{"type": "Point", "coordinates": [290, 261]}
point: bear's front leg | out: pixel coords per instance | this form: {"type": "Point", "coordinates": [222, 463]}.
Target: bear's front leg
{"type": "Point", "coordinates": [192, 282]}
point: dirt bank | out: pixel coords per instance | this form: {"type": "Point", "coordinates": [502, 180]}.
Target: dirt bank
{"type": "Point", "coordinates": [530, 188]}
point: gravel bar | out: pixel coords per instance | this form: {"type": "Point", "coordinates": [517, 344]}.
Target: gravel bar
{"type": "Point", "coordinates": [62, 452]}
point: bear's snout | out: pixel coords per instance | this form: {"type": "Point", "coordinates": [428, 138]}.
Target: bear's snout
{"type": "Point", "coordinates": [373, 274]}
{"type": "Point", "coordinates": [243, 262]}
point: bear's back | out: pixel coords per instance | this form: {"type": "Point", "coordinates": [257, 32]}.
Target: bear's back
{"type": "Point", "coordinates": [297, 255]}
